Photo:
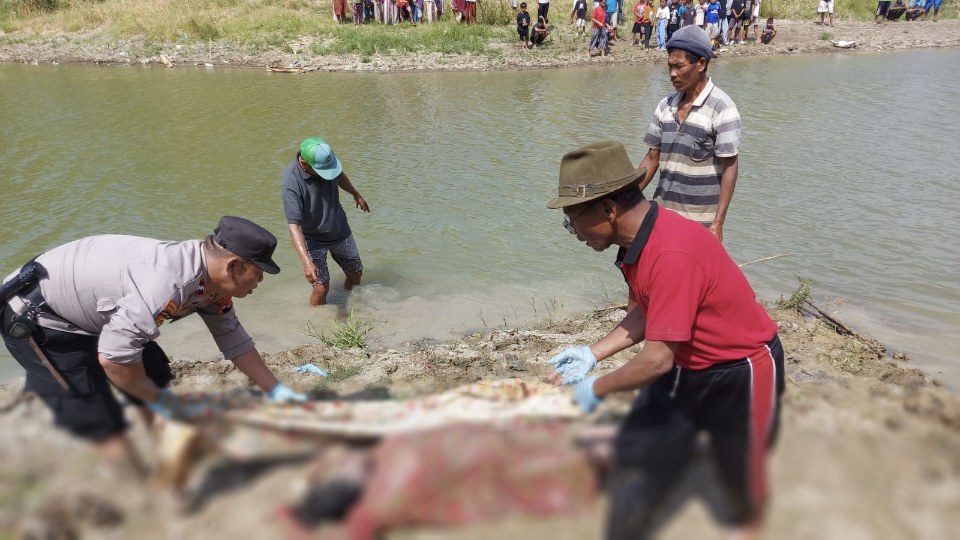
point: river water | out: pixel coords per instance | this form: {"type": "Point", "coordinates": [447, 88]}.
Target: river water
{"type": "Point", "coordinates": [847, 164]}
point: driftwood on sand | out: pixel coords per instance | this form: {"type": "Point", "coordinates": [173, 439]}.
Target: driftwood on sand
{"type": "Point", "coordinates": [285, 69]}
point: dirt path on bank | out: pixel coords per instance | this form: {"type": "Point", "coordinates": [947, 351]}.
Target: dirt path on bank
{"type": "Point", "coordinates": [565, 49]}
{"type": "Point", "coordinates": [868, 449]}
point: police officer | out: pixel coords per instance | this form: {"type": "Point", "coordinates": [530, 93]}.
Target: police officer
{"type": "Point", "coordinates": [97, 307]}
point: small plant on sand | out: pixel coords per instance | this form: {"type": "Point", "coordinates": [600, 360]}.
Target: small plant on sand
{"type": "Point", "coordinates": [341, 373]}
{"type": "Point", "coordinates": [346, 334]}
{"type": "Point", "coordinates": [610, 294]}
{"type": "Point", "coordinates": [551, 305]}
{"type": "Point", "coordinates": [799, 295]}
{"type": "Point", "coordinates": [852, 360]}
{"type": "Point", "coordinates": [826, 36]}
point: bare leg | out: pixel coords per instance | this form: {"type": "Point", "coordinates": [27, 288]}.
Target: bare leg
{"type": "Point", "coordinates": [318, 296]}
{"type": "Point", "coordinates": [353, 279]}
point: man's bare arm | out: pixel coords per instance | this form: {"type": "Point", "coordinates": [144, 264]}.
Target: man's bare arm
{"type": "Point", "coordinates": [651, 162]}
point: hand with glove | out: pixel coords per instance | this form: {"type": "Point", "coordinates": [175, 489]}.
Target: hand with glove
{"type": "Point", "coordinates": [572, 365]}
{"type": "Point", "coordinates": [586, 399]}
{"type": "Point", "coordinates": [285, 395]}
{"type": "Point", "coordinates": [168, 405]}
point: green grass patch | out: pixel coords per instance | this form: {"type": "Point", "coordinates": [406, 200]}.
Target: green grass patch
{"type": "Point", "coordinates": [862, 10]}
{"type": "Point", "coordinates": [498, 12]}
{"type": "Point", "coordinates": [853, 358]}
{"type": "Point", "coordinates": [443, 37]}
{"type": "Point", "coordinates": [258, 25]}
{"type": "Point", "coordinates": [826, 36]}
{"type": "Point", "coordinates": [203, 29]}
{"type": "Point", "coordinates": [349, 333]}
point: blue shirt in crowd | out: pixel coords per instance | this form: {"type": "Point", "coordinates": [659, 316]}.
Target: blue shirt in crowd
{"type": "Point", "coordinates": [713, 13]}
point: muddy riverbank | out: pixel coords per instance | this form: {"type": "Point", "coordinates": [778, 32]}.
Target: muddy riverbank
{"type": "Point", "coordinates": [868, 448]}
{"type": "Point", "coordinates": [565, 49]}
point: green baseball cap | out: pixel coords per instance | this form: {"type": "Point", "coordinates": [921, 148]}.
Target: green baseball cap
{"type": "Point", "coordinates": [320, 157]}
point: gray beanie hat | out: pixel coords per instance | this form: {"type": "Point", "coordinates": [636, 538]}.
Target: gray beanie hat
{"type": "Point", "coordinates": [692, 39]}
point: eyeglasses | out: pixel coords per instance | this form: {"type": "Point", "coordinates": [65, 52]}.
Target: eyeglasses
{"type": "Point", "coordinates": [568, 221]}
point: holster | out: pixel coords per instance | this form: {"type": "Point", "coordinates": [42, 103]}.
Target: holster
{"type": "Point", "coordinates": [19, 326]}
{"type": "Point", "coordinates": [26, 285]}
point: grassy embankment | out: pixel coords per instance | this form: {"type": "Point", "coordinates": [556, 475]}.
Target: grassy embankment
{"type": "Point", "coordinates": [261, 25]}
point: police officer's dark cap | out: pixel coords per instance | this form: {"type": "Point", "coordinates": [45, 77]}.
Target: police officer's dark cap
{"type": "Point", "coordinates": [246, 239]}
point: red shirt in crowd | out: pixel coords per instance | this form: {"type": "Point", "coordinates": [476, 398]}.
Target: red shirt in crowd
{"type": "Point", "coordinates": [599, 15]}
{"type": "Point", "coordinates": [693, 293]}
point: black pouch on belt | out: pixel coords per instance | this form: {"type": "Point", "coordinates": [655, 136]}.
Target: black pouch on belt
{"type": "Point", "coordinates": [25, 283]}
{"type": "Point", "coordinates": [19, 326]}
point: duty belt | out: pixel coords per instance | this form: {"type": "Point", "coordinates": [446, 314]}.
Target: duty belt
{"type": "Point", "coordinates": [27, 285]}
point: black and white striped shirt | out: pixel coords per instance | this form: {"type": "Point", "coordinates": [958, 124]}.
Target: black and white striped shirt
{"type": "Point", "coordinates": [690, 167]}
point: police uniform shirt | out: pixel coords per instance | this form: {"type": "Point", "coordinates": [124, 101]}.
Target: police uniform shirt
{"type": "Point", "coordinates": [123, 288]}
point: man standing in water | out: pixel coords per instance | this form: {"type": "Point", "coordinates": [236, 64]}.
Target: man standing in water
{"type": "Point", "coordinates": [712, 361]}
{"type": "Point", "coordinates": [82, 319]}
{"type": "Point", "coordinates": [310, 189]}
{"type": "Point", "coordinates": [694, 137]}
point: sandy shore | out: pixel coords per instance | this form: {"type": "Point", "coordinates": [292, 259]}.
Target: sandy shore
{"type": "Point", "coordinates": [565, 49]}
{"type": "Point", "coordinates": [868, 449]}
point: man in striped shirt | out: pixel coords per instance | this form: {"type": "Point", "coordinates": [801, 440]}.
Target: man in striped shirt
{"type": "Point", "coordinates": [694, 137]}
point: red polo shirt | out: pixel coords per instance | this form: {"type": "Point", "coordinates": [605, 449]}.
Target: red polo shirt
{"type": "Point", "coordinates": [692, 292]}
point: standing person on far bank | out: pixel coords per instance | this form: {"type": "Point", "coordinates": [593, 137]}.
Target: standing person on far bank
{"type": "Point", "coordinates": [663, 16]}
{"type": "Point", "coordinates": [694, 137]}
{"type": "Point", "coordinates": [712, 18]}
{"type": "Point", "coordinates": [580, 13]}
{"type": "Point", "coordinates": [543, 8]}
{"type": "Point", "coordinates": [712, 362]}
{"type": "Point", "coordinates": [642, 16]}
{"type": "Point", "coordinates": [599, 40]}
{"type": "Point", "coordinates": [612, 18]}
{"type": "Point", "coordinates": [311, 202]}
{"type": "Point", "coordinates": [523, 26]}
{"type": "Point", "coordinates": [825, 7]}
{"type": "Point", "coordinates": [931, 4]}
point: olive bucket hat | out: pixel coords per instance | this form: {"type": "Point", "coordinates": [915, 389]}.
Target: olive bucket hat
{"type": "Point", "coordinates": [593, 171]}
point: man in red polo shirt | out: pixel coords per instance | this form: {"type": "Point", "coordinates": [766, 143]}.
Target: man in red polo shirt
{"type": "Point", "coordinates": [712, 360]}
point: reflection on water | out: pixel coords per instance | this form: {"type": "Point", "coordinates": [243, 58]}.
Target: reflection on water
{"type": "Point", "coordinates": [845, 167]}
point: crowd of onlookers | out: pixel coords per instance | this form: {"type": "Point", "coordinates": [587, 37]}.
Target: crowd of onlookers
{"type": "Point", "coordinates": [916, 9]}
{"type": "Point", "coordinates": [402, 11]}
{"type": "Point", "coordinates": [726, 22]}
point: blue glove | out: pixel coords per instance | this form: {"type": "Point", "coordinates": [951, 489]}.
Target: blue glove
{"type": "Point", "coordinates": [167, 405]}
{"type": "Point", "coordinates": [574, 363]}
{"type": "Point", "coordinates": [284, 394]}
{"type": "Point", "coordinates": [584, 395]}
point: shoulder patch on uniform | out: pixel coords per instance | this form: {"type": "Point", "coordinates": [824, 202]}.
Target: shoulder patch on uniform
{"type": "Point", "coordinates": [224, 304]}
{"type": "Point", "coordinates": [167, 312]}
